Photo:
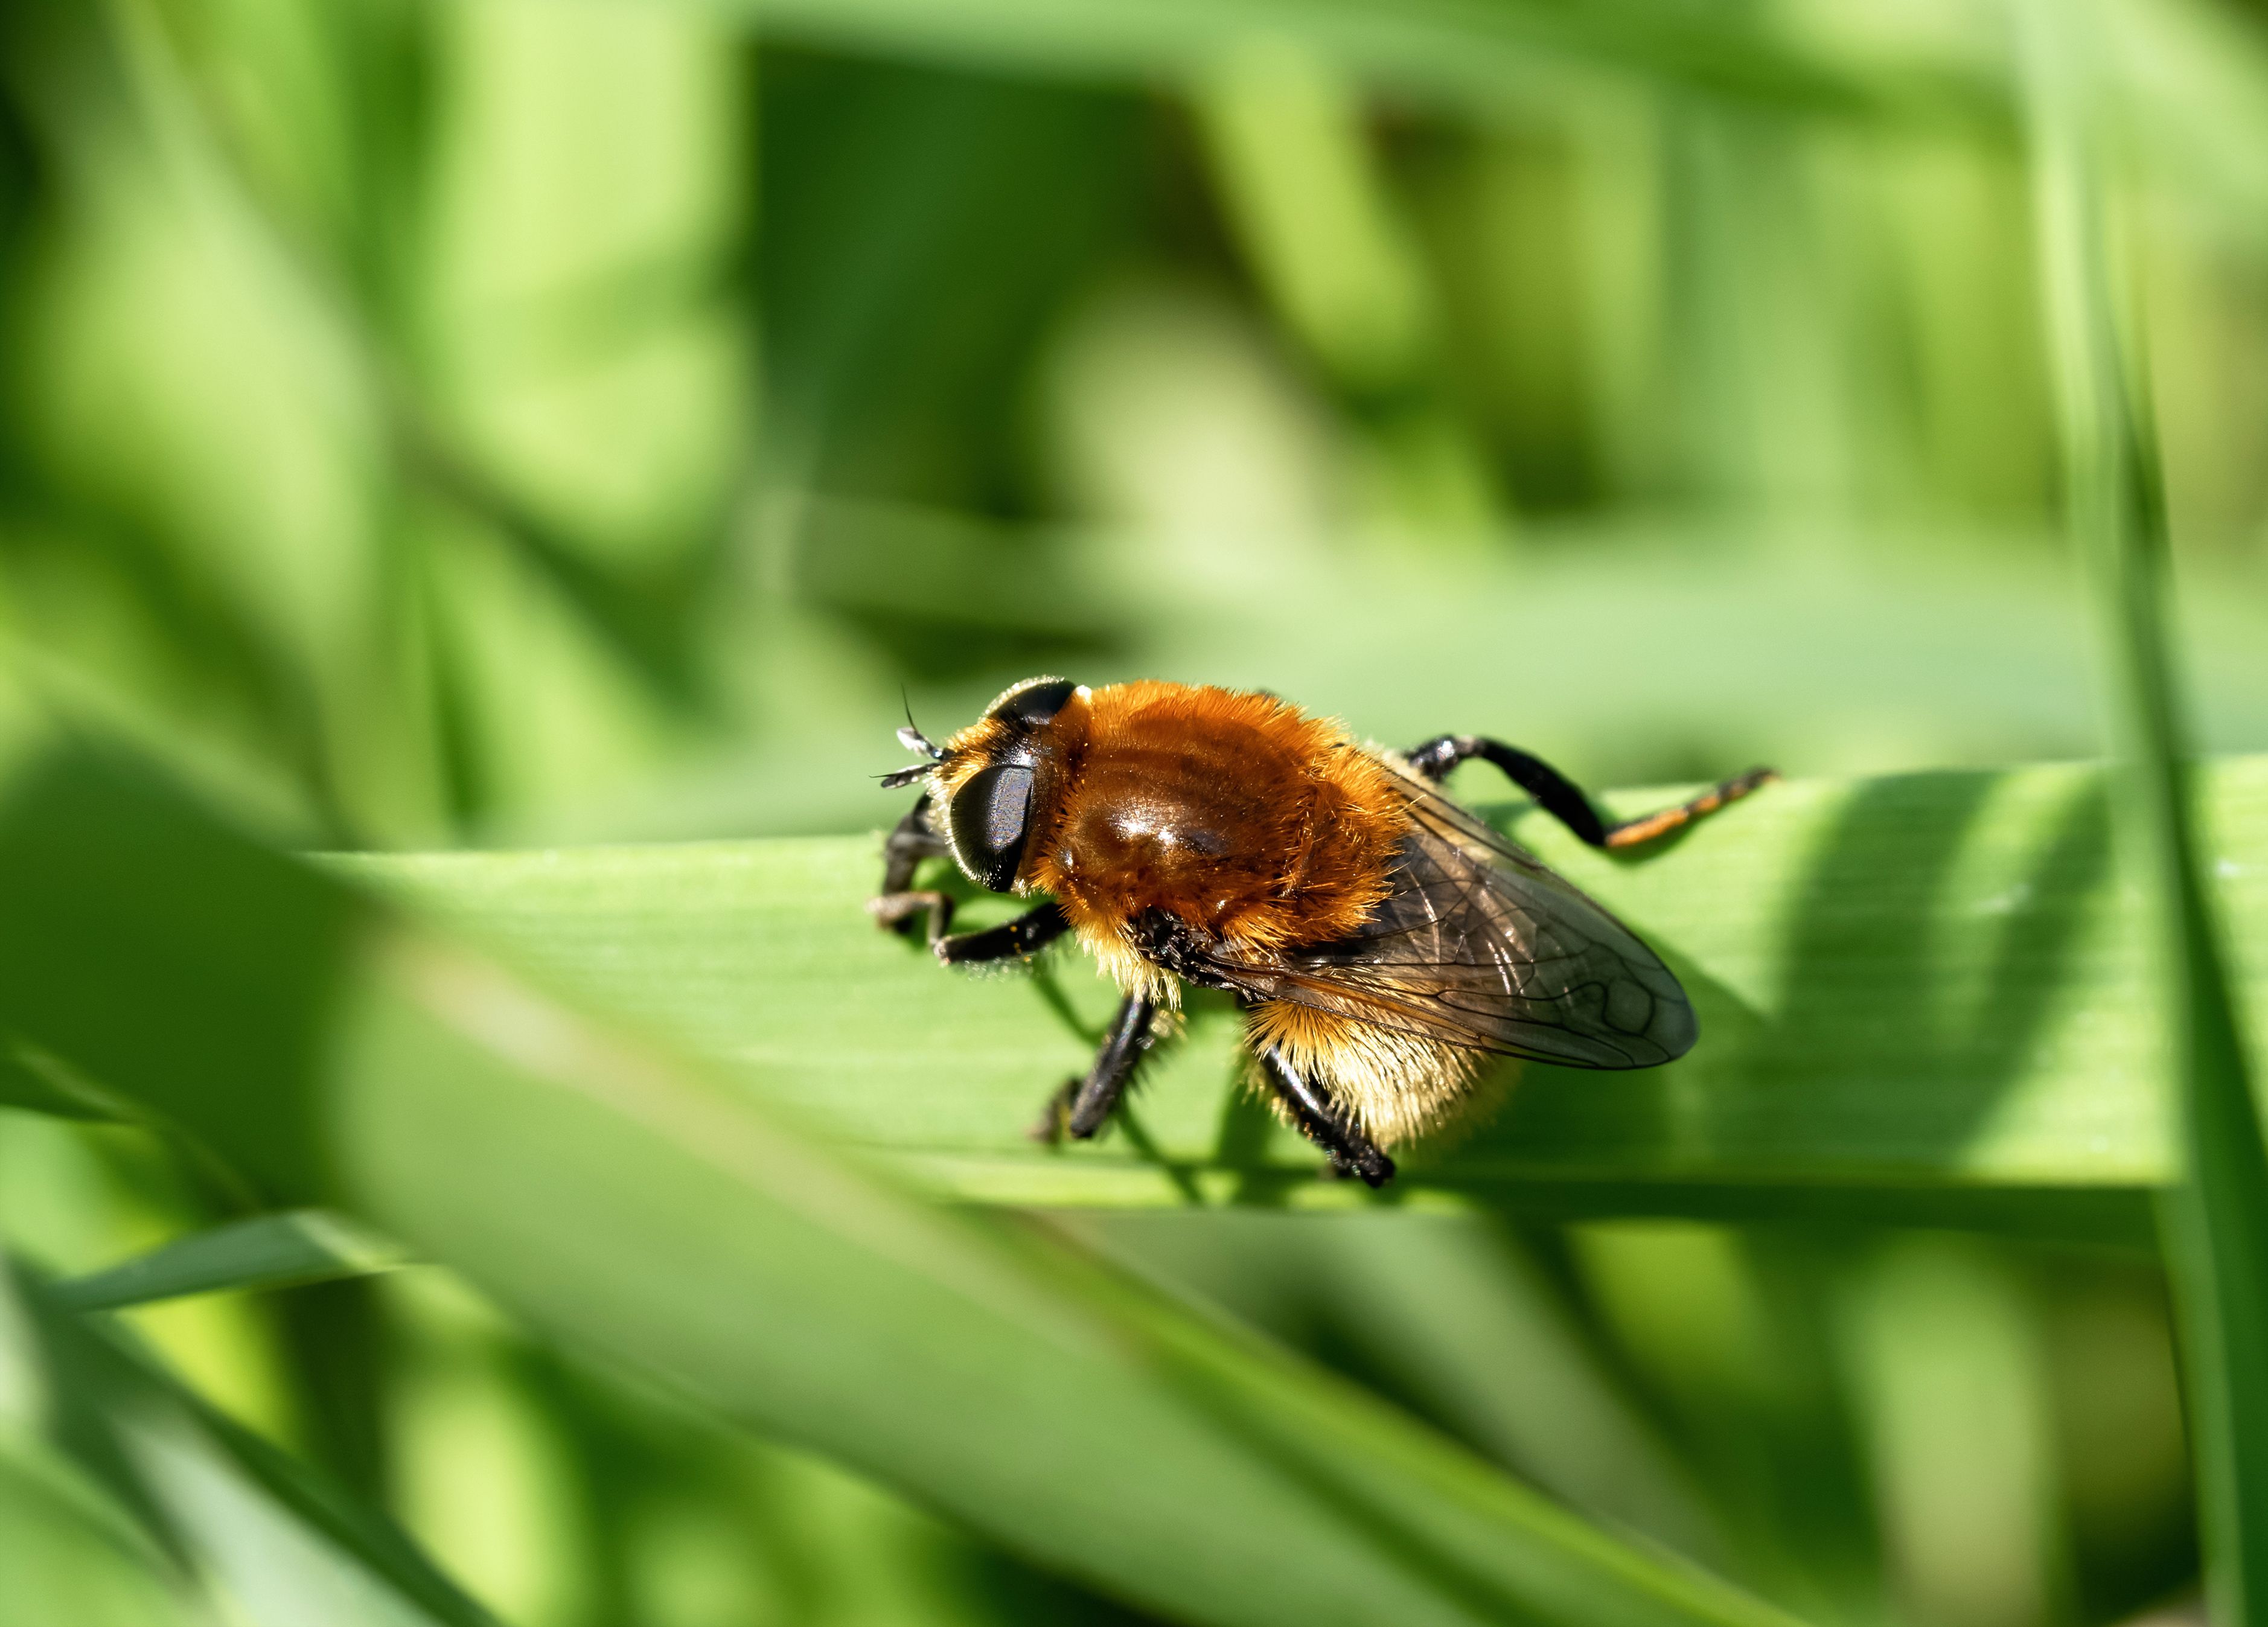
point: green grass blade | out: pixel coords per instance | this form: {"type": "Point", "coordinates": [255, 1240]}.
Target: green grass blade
{"type": "Point", "coordinates": [206, 1508]}
{"type": "Point", "coordinates": [70, 1555]}
{"type": "Point", "coordinates": [1921, 998]}
{"type": "Point", "coordinates": [269, 1251]}
{"type": "Point", "coordinates": [1448, 1308]}
{"type": "Point", "coordinates": [2217, 1212]}
{"type": "Point", "coordinates": [650, 1211]}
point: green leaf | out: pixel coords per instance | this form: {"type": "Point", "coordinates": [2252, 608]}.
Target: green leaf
{"type": "Point", "coordinates": [2217, 1212]}
{"type": "Point", "coordinates": [204, 1510]}
{"type": "Point", "coordinates": [1920, 997]}
{"type": "Point", "coordinates": [268, 1251]}
{"type": "Point", "coordinates": [654, 1212]}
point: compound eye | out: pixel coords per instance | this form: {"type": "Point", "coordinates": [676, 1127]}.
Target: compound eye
{"type": "Point", "coordinates": [987, 822]}
{"type": "Point", "coordinates": [1036, 704]}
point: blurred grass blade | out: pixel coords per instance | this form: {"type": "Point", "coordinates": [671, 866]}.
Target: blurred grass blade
{"type": "Point", "coordinates": [70, 1554]}
{"type": "Point", "coordinates": [210, 1511]}
{"type": "Point", "coordinates": [269, 1251]}
{"type": "Point", "coordinates": [1427, 46]}
{"type": "Point", "coordinates": [2191, 84]}
{"type": "Point", "coordinates": [1950, 1374]}
{"type": "Point", "coordinates": [1303, 191]}
{"type": "Point", "coordinates": [33, 1080]}
{"type": "Point", "coordinates": [1448, 1308]}
{"type": "Point", "coordinates": [2217, 1212]}
{"type": "Point", "coordinates": [641, 1207]}
{"type": "Point", "coordinates": [1471, 1322]}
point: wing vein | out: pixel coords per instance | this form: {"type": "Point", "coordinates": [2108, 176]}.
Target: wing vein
{"type": "Point", "coordinates": [1478, 944]}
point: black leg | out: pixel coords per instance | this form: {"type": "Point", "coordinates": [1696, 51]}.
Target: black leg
{"type": "Point", "coordinates": [1559, 797]}
{"type": "Point", "coordinates": [1352, 1152]}
{"type": "Point", "coordinates": [1027, 934]}
{"type": "Point", "coordinates": [895, 911]}
{"type": "Point", "coordinates": [914, 840]}
{"type": "Point", "coordinates": [1080, 1107]}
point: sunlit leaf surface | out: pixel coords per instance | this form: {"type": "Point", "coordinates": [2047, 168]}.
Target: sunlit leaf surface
{"type": "Point", "coordinates": [1922, 991]}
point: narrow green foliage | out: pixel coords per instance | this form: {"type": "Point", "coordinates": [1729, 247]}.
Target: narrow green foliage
{"type": "Point", "coordinates": [197, 1510]}
{"type": "Point", "coordinates": [1919, 996]}
{"type": "Point", "coordinates": [1467, 52]}
{"type": "Point", "coordinates": [269, 1251]}
{"type": "Point", "coordinates": [2217, 1212]}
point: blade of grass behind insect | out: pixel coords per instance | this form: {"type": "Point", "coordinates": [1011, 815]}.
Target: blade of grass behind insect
{"type": "Point", "coordinates": [2216, 1215]}
{"type": "Point", "coordinates": [1466, 53]}
{"type": "Point", "coordinates": [1544, 54]}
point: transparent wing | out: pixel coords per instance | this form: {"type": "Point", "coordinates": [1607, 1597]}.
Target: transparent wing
{"type": "Point", "coordinates": [1477, 944]}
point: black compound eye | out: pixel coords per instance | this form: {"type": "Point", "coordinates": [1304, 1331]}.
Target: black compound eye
{"type": "Point", "coordinates": [987, 820]}
{"type": "Point", "coordinates": [1035, 705]}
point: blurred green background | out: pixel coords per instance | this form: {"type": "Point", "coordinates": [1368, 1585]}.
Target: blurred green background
{"type": "Point", "coordinates": [508, 422]}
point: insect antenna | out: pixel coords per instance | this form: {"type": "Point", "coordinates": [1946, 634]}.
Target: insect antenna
{"type": "Point", "coordinates": [912, 739]}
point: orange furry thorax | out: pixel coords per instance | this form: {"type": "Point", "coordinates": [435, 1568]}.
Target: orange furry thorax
{"type": "Point", "coordinates": [1248, 821]}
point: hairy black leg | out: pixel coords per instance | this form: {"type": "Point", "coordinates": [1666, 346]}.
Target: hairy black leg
{"type": "Point", "coordinates": [897, 910]}
{"type": "Point", "coordinates": [1351, 1152]}
{"type": "Point", "coordinates": [1029, 933]}
{"type": "Point", "coordinates": [1554, 792]}
{"type": "Point", "coordinates": [1082, 1106]}
{"type": "Point", "coordinates": [913, 840]}
{"type": "Point", "coordinates": [1562, 799]}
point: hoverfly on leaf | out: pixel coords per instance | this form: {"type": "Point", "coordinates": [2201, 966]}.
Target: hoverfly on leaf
{"type": "Point", "coordinates": [1383, 943]}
